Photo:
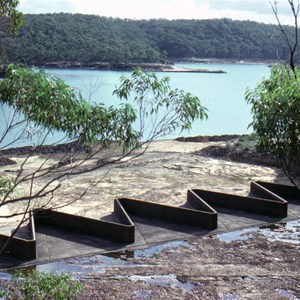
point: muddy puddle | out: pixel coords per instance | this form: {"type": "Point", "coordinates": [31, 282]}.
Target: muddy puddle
{"type": "Point", "coordinates": [5, 276]}
{"type": "Point", "coordinates": [156, 249]}
{"type": "Point", "coordinates": [286, 294]}
{"type": "Point", "coordinates": [288, 232]}
{"type": "Point", "coordinates": [161, 280]}
{"type": "Point", "coordinates": [228, 296]}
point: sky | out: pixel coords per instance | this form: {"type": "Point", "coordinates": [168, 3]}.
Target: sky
{"type": "Point", "coordinates": [254, 10]}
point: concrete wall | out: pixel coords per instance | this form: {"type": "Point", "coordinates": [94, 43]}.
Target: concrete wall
{"type": "Point", "coordinates": [268, 207]}
{"type": "Point", "coordinates": [80, 224]}
{"type": "Point", "coordinates": [187, 216]}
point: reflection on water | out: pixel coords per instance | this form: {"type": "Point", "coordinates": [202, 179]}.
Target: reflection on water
{"type": "Point", "coordinates": [98, 264]}
{"type": "Point", "coordinates": [287, 232]}
{"type": "Point", "coordinates": [146, 252]}
{"type": "Point", "coordinates": [237, 235]}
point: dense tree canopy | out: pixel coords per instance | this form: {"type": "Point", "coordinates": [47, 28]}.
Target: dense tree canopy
{"type": "Point", "coordinates": [8, 9]}
{"type": "Point", "coordinates": [86, 38]}
{"type": "Point", "coordinates": [275, 103]}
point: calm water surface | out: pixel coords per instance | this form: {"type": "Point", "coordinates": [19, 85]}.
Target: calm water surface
{"type": "Point", "coordinates": [221, 94]}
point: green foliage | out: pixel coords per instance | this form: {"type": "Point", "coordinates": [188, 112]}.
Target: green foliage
{"type": "Point", "coordinates": [9, 18]}
{"type": "Point", "coordinates": [275, 106]}
{"type": "Point", "coordinates": [8, 8]}
{"type": "Point", "coordinates": [5, 185]}
{"type": "Point", "coordinates": [4, 292]}
{"type": "Point", "coordinates": [246, 141]}
{"type": "Point", "coordinates": [40, 285]}
{"type": "Point", "coordinates": [49, 102]}
{"type": "Point", "coordinates": [165, 108]}
{"type": "Point", "coordinates": [74, 37]}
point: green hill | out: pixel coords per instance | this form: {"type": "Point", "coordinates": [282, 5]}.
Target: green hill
{"type": "Point", "coordinates": [86, 38]}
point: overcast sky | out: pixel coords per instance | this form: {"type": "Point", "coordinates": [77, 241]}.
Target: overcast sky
{"type": "Point", "coordinates": [256, 10]}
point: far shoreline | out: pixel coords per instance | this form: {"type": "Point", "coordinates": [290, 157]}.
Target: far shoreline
{"type": "Point", "coordinates": [107, 66]}
{"type": "Point", "coordinates": [224, 61]}
{"type": "Point", "coordinates": [148, 67]}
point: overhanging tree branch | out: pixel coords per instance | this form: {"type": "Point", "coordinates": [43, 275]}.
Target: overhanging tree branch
{"type": "Point", "coordinates": [51, 104]}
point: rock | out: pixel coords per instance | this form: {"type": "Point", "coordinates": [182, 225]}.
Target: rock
{"type": "Point", "coordinates": [208, 138]}
{"type": "Point", "coordinates": [5, 161]}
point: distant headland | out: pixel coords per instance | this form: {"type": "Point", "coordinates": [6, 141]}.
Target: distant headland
{"type": "Point", "coordinates": [150, 67]}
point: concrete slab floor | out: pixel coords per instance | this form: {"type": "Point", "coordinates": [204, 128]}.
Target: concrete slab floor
{"type": "Point", "coordinates": [54, 243]}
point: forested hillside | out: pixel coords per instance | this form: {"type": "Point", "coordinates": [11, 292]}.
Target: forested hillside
{"type": "Point", "coordinates": [86, 38]}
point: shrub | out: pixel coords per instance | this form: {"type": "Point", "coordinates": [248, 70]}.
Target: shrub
{"type": "Point", "coordinates": [41, 285]}
{"type": "Point", "coordinates": [275, 103]}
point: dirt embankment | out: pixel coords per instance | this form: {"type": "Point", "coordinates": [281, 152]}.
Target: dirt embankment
{"type": "Point", "coordinates": [238, 148]}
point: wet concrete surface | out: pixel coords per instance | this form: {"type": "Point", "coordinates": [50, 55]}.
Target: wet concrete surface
{"type": "Point", "coordinates": [255, 263]}
{"type": "Point", "coordinates": [56, 243]}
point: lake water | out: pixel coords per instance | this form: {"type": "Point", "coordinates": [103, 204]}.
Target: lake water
{"type": "Point", "coordinates": [221, 94]}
